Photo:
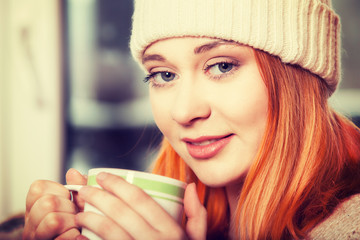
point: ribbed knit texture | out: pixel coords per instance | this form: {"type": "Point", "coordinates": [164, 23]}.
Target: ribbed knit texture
{"type": "Point", "coordinates": [343, 223]}
{"type": "Point", "coordinates": [302, 32]}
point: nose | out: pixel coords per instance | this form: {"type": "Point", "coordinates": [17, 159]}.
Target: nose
{"type": "Point", "coordinates": [190, 104]}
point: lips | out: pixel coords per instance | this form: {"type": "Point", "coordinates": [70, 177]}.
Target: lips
{"type": "Point", "coordinates": [208, 146]}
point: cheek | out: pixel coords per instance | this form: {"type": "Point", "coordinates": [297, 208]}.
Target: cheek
{"type": "Point", "coordinates": [160, 109]}
{"type": "Point", "coordinates": [246, 108]}
{"type": "Point", "coordinates": [253, 111]}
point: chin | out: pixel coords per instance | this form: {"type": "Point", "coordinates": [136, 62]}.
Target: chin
{"type": "Point", "coordinates": [218, 178]}
{"type": "Point", "coordinates": [215, 180]}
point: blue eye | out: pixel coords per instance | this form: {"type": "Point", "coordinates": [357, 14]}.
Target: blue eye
{"type": "Point", "coordinates": [165, 76]}
{"type": "Point", "coordinates": [220, 68]}
{"type": "Point", "coordinates": [159, 78]}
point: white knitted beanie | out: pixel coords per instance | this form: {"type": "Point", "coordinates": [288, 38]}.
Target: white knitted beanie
{"type": "Point", "coordinates": [301, 32]}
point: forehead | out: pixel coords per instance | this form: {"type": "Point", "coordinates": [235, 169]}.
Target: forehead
{"type": "Point", "coordinates": [196, 45]}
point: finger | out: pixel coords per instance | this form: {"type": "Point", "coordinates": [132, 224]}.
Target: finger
{"type": "Point", "coordinates": [73, 233]}
{"type": "Point", "coordinates": [196, 214]}
{"type": "Point", "coordinates": [134, 196]}
{"type": "Point", "coordinates": [55, 224]}
{"type": "Point", "coordinates": [75, 177]}
{"type": "Point", "coordinates": [45, 205]}
{"type": "Point", "coordinates": [43, 187]}
{"type": "Point", "coordinates": [102, 226]}
{"type": "Point", "coordinates": [116, 209]}
{"type": "Point", "coordinates": [141, 203]}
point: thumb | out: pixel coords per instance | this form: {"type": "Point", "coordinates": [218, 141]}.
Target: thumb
{"type": "Point", "coordinates": [196, 214]}
{"type": "Point", "coordinates": [74, 177]}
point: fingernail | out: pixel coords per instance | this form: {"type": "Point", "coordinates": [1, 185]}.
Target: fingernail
{"type": "Point", "coordinates": [191, 185]}
{"type": "Point", "coordinates": [101, 176]}
{"type": "Point", "coordinates": [81, 237]}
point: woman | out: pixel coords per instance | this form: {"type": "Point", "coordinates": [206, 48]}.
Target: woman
{"type": "Point", "coordinates": [239, 90]}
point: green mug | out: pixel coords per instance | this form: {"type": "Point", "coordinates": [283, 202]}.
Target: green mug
{"type": "Point", "coordinates": [167, 192]}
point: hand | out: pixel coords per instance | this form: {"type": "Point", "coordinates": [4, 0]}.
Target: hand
{"type": "Point", "coordinates": [196, 214]}
{"type": "Point", "coordinates": [49, 211]}
{"type": "Point", "coordinates": [129, 213]}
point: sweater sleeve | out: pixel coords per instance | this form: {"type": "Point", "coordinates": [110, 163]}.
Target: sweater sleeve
{"type": "Point", "coordinates": [343, 223]}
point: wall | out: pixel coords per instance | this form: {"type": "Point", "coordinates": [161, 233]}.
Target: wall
{"type": "Point", "coordinates": [30, 98]}
{"type": "Point", "coordinates": [3, 23]}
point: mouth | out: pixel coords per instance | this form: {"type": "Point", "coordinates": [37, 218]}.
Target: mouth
{"type": "Point", "coordinates": [208, 146]}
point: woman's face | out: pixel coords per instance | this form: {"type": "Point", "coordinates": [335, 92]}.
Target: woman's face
{"type": "Point", "coordinates": [210, 102]}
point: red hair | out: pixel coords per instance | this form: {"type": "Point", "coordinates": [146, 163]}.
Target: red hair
{"type": "Point", "coordinates": [308, 161]}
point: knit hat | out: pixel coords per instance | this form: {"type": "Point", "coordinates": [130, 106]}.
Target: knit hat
{"type": "Point", "coordinates": [301, 32]}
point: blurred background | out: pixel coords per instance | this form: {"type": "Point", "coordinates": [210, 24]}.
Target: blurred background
{"type": "Point", "coordinates": [71, 96]}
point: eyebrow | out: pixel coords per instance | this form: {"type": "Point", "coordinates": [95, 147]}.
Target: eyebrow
{"type": "Point", "coordinates": [152, 57]}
